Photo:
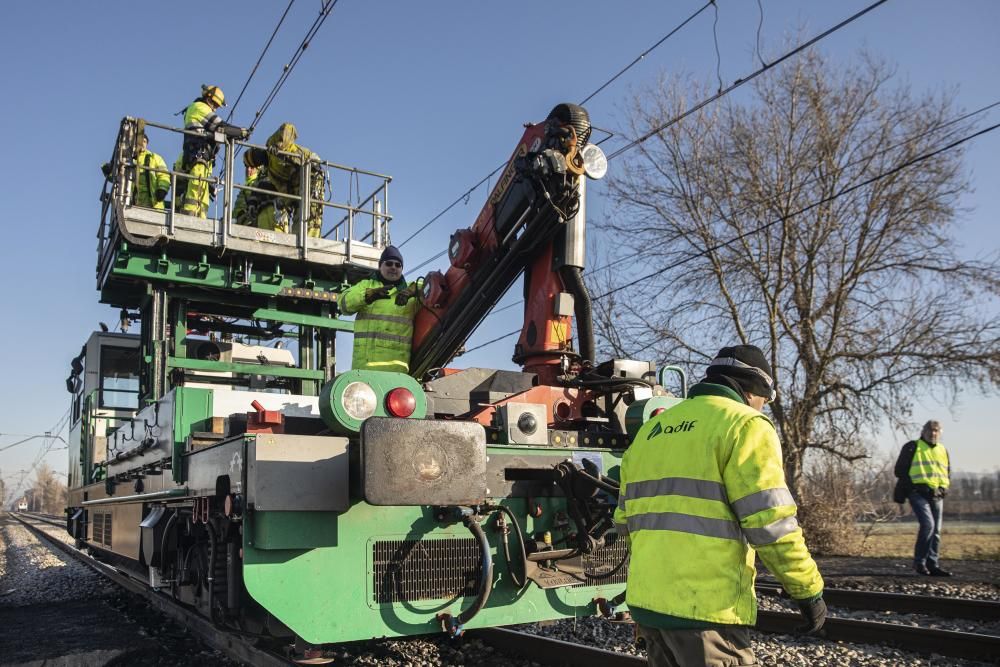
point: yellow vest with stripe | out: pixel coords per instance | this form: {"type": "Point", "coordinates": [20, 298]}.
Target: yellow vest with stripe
{"type": "Point", "coordinates": [383, 331]}
{"type": "Point", "coordinates": [148, 181]}
{"type": "Point", "coordinates": [930, 465]}
{"type": "Point", "coordinates": [702, 488]}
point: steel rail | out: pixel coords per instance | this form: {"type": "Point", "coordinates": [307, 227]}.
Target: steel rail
{"type": "Point", "coordinates": [241, 649]}
{"type": "Point", "coordinates": [918, 639]}
{"type": "Point", "coordinates": [981, 610]}
{"type": "Point", "coordinates": [549, 651]}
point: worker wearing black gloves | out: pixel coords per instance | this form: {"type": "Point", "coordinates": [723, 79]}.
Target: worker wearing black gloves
{"type": "Point", "coordinates": [197, 158]}
{"type": "Point", "coordinates": [386, 306]}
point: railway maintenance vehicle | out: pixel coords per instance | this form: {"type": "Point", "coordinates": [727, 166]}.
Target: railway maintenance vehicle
{"type": "Point", "coordinates": [218, 455]}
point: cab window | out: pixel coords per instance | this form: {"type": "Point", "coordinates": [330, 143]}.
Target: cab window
{"type": "Point", "coordinates": [119, 378]}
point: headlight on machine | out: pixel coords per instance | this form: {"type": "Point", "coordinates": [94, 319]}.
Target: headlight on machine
{"type": "Point", "coordinates": [354, 396]}
{"type": "Point", "coordinates": [359, 400]}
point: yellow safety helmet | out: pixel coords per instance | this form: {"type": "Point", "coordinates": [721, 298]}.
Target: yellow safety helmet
{"type": "Point", "coordinates": [213, 94]}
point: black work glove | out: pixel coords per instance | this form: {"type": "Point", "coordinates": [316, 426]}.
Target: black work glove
{"type": "Point", "coordinates": [211, 191]}
{"type": "Point", "coordinates": [404, 295]}
{"type": "Point", "coordinates": [942, 492]}
{"type": "Point", "coordinates": [106, 169]}
{"type": "Point", "coordinates": [160, 194]}
{"type": "Point", "coordinates": [236, 132]}
{"type": "Point", "coordinates": [375, 293]}
{"type": "Point", "coordinates": [814, 613]}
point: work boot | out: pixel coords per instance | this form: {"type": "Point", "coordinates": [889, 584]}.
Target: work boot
{"type": "Point", "coordinates": [922, 570]}
{"type": "Point", "coordinates": [935, 571]}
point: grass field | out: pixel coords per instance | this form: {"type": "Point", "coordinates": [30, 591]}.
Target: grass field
{"type": "Point", "coordinates": [959, 540]}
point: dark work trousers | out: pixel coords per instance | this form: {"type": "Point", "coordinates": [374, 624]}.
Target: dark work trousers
{"type": "Point", "coordinates": [928, 512]}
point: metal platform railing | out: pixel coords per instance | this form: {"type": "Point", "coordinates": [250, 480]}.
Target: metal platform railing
{"type": "Point", "coordinates": [352, 230]}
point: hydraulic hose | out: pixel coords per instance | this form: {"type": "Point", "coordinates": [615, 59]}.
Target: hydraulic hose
{"type": "Point", "coordinates": [486, 579]}
{"type": "Point", "coordinates": [163, 540]}
{"type": "Point", "coordinates": [522, 580]}
{"type": "Point", "coordinates": [583, 310]}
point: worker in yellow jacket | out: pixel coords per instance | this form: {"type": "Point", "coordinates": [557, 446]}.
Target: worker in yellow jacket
{"type": "Point", "coordinates": [282, 163]}
{"type": "Point", "coordinates": [385, 305]}
{"type": "Point", "coordinates": [197, 158]}
{"type": "Point", "coordinates": [924, 466]}
{"type": "Point", "coordinates": [702, 492]}
{"type": "Point", "coordinates": [152, 178]}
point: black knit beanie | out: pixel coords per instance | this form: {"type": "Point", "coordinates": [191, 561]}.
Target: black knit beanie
{"type": "Point", "coordinates": [391, 252]}
{"type": "Point", "coordinates": [747, 366]}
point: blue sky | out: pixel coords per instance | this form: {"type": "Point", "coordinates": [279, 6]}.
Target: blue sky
{"type": "Point", "coordinates": [432, 93]}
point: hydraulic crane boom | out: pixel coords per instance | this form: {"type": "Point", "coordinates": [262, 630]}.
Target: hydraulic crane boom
{"type": "Point", "coordinates": [533, 221]}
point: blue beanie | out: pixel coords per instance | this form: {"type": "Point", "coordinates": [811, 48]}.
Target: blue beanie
{"type": "Point", "coordinates": [391, 252]}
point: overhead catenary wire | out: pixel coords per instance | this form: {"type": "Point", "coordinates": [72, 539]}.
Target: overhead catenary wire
{"type": "Point", "coordinates": [647, 51]}
{"type": "Point", "coordinates": [705, 102]}
{"type": "Point", "coordinates": [253, 71]}
{"type": "Point", "coordinates": [42, 452]}
{"type": "Point", "coordinates": [324, 13]}
{"type": "Point", "coordinates": [748, 78]}
{"type": "Point", "coordinates": [464, 196]}
{"type": "Point", "coordinates": [805, 209]}
{"type": "Point", "coordinates": [799, 186]}
{"type": "Point", "coordinates": [763, 227]}
{"type": "Point", "coordinates": [700, 105]}
{"type": "Point", "coordinates": [722, 93]}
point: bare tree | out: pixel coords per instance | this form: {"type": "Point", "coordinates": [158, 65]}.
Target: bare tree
{"type": "Point", "coordinates": [856, 289]}
{"type": "Point", "coordinates": [49, 492]}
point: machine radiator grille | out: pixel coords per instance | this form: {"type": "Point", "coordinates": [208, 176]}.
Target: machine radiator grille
{"type": "Point", "coordinates": [606, 559]}
{"type": "Point", "coordinates": [107, 529]}
{"type": "Point", "coordinates": [98, 523]}
{"type": "Point", "coordinates": [407, 570]}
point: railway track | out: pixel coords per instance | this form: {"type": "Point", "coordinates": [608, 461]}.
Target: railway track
{"type": "Point", "coordinates": [550, 651]}
{"type": "Point", "coordinates": [922, 640]}
{"type": "Point", "coordinates": [542, 650]}
{"type": "Point", "coordinates": [980, 610]}
{"type": "Point", "coordinates": [237, 648]}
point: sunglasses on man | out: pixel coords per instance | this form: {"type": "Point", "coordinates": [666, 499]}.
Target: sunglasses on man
{"type": "Point", "coordinates": [393, 264]}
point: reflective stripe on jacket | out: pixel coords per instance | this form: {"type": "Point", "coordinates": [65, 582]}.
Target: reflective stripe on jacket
{"type": "Point", "coordinates": [383, 331]}
{"type": "Point", "coordinates": [702, 487]}
{"type": "Point", "coordinates": [930, 465]}
{"type": "Point", "coordinates": [148, 182]}
{"type": "Point", "coordinates": [199, 115]}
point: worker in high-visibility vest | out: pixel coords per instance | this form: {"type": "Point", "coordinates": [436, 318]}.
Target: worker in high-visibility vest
{"type": "Point", "coordinates": [197, 158]}
{"type": "Point", "coordinates": [924, 466]}
{"type": "Point", "coordinates": [385, 305]}
{"type": "Point", "coordinates": [702, 492]}
{"type": "Point", "coordinates": [282, 163]}
{"type": "Point", "coordinates": [152, 179]}
{"type": "Point", "coordinates": [244, 209]}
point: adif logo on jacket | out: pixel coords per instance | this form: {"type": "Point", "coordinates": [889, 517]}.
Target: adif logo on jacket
{"type": "Point", "coordinates": [679, 428]}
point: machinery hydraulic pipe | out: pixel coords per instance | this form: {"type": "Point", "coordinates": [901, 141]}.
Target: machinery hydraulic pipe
{"type": "Point", "coordinates": [573, 277]}
{"type": "Point", "coordinates": [486, 580]}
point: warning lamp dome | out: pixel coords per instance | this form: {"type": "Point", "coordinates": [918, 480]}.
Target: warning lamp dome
{"type": "Point", "coordinates": [400, 402]}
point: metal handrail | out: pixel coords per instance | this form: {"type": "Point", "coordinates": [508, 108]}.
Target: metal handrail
{"type": "Point", "coordinates": [118, 193]}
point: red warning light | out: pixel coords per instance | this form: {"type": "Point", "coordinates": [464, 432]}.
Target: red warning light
{"type": "Point", "coordinates": [400, 402]}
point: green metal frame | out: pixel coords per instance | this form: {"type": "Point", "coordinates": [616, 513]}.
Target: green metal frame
{"type": "Point", "coordinates": [326, 559]}
{"type": "Point", "coordinates": [165, 286]}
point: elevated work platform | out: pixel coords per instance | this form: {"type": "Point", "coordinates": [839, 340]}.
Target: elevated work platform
{"type": "Point", "coordinates": [354, 225]}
